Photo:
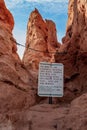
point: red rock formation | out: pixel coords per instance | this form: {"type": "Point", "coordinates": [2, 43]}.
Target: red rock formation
{"type": "Point", "coordinates": [50, 117]}
{"type": "Point", "coordinates": [77, 22]}
{"type": "Point", "coordinates": [6, 26]}
{"type": "Point", "coordinates": [17, 87]}
{"type": "Point", "coordinates": [52, 36]}
{"type": "Point", "coordinates": [5, 16]}
{"type": "Point", "coordinates": [75, 46]}
{"type": "Point", "coordinates": [41, 36]}
{"type": "Point", "coordinates": [15, 82]}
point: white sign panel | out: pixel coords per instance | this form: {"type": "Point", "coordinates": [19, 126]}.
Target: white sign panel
{"type": "Point", "coordinates": [50, 80]}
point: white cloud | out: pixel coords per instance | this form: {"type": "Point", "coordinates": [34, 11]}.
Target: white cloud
{"type": "Point", "coordinates": [13, 3]}
{"type": "Point", "coordinates": [50, 6]}
{"type": "Point", "coordinates": [56, 8]}
{"type": "Point", "coordinates": [42, 1]}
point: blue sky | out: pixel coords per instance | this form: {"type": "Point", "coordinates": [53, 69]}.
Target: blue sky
{"type": "Point", "coordinates": [55, 10]}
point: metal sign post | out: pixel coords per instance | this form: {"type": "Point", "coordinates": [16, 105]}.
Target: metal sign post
{"type": "Point", "coordinates": [50, 100]}
{"type": "Point", "coordinates": [50, 80]}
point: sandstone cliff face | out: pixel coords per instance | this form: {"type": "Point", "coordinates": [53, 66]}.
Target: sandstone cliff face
{"type": "Point", "coordinates": [5, 16]}
{"type": "Point", "coordinates": [49, 117]}
{"type": "Point", "coordinates": [17, 86]}
{"type": "Point", "coordinates": [15, 81]}
{"type": "Point", "coordinates": [77, 22]}
{"type": "Point", "coordinates": [41, 36]}
{"type": "Point", "coordinates": [75, 46]}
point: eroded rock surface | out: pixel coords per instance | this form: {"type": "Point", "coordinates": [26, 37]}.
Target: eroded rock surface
{"type": "Point", "coordinates": [5, 16]}
{"type": "Point", "coordinates": [41, 35]}
{"type": "Point", "coordinates": [41, 39]}
{"type": "Point", "coordinates": [75, 47]}
{"type": "Point", "coordinates": [50, 117]}
{"type": "Point", "coordinates": [15, 82]}
{"type": "Point", "coordinates": [18, 86]}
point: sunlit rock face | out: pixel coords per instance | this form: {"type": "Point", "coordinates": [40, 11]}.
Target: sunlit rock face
{"type": "Point", "coordinates": [18, 87]}
{"type": "Point", "coordinates": [41, 36]}
{"type": "Point", "coordinates": [5, 16]}
{"type": "Point", "coordinates": [77, 22]}
{"type": "Point", "coordinates": [8, 43]}
{"type": "Point", "coordinates": [15, 81]}
{"type": "Point", "coordinates": [52, 42]}
{"type": "Point", "coordinates": [75, 46]}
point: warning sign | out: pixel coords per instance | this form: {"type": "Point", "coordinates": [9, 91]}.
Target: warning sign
{"type": "Point", "coordinates": [50, 79]}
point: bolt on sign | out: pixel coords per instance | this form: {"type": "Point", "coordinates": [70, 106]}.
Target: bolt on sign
{"type": "Point", "coordinates": [50, 79]}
